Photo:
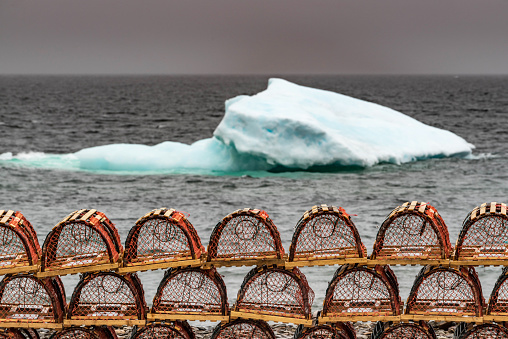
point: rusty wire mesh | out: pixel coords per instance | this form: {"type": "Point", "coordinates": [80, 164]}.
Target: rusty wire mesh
{"type": "Point", "coordinates": [319, 332]}
{"type": "Point", "coordinates": [18, 242]}
{"type": "Point", "coordinates": [420, 330]}
{"type": "Point", "coordinates": [243, 328]}
{"type": "Point", "coordinates": [25, 298]}
{"type": "Point", "coordinates": [191, 291]}
{"type": "Point", "coordinates": [245, 234]}
{"type": "Point", "coordinates": [362, 291]}
{"type": "Point", "coordinates": [162, 235]}
{"type": "Point", "coordinates": [108, 295]}
{"type": "Point", "coordinates": [446, 291]}
{"type": "Point", "coordinates": [482, 331]}
{"type": "Point", "coordinates": [18, 333]}
{"type": "Point", "coordinates": [326, 232]}
{"type": "Point", "coordinates": [498, 301]}
{"type": "Point", "coordinates": [97, 332]}
{"type": "Point", "coordinates": [175, 330]}
{"type": "Point", "coordinates": [412, 230]}
{"type": "Point", "coordinates": [275, 291]}
{"type": "Point", "coordinates": [484, 234]}
{"type": "Point", "coordinates": [83, 238]}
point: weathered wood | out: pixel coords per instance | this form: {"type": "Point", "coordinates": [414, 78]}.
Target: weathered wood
{"type": "Point", "coordinates": [100, 322]}
{"type": "Point", "coordinates": [159, 265]}
{"type": "Point", "coordinates": [359, 318]}
{"type": "Point", "coordinates": [31, 324]}
{"type": "Point", "coordinates": [190, 317]}
{"type": "Point", "coordinates": [266, 317]}
{"type": "Point", "coordinates": [76, 270]}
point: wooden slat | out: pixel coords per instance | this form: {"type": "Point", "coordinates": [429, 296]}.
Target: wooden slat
{"type": "Point", "coordinates": [325, 262]}
{"type": "Point", "coordinates": [6, 217]}
{"type": "Point", "coordinates": [76, 215]}
{"type": "Point", "coordinates": [265, 317]}
{"type": "Point", "coordinates": [76, 270]}
{"type": "Point", "coordinates": [493, 207]}
{"type": "Point", "coordinates": [19, 269]}
{"type": "Point", "coordinates": [447, 318]}
{"type": "Point", "coordinates": [88, 214]}
{"type": "Point", "coordinates": [422, 207]}
{"type": "Point", "coordinates": [31, 324]}
{"type": "Point", "coordinates": [106, 322]}
{"type": "Point", "coordinates": [359, 318]}
{"type": "Point", "coordinates": [190, 317]}
{"type": "Point", "coordinates": [412, 206]}
{"type": "Point", "coordinates": [160, 265]}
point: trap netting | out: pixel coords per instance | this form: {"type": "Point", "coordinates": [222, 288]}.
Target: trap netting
{"type": "Point", "coordinates": [83, 238]}
{"type": "Point", "coordinates": [173, 330]}
{"type": "Point", "coordinates": [25, 298]}
{"type": "Point", "coordinates": [18, 242]}
{"type": "Point", "coordinates": [108, 296]}
{"type": "Point", "coordinates": [243, 328]}
{"type": "Point", "coordinates": [277, 292]}
{"type": "Point", "coordinates": [482, 331]}
{"type": "Point", "coordinates": [18, 333]}
{"type": "Point", "coordinates": [326, 331]}
{"type": "Point", "coordinates": [359, 290]}
{"type": "Point", "coordinates": [420, 330]}
{"type": "Point", "coordinates": [245, 234]}
{"type": "Point", "coordinates": [162, 235]}
{"type": "Point", "coordinates": [484, 234]}
{"type": "Point", "coordinates": [498, 301]}
{"type": "Point", "coordinates": [97, 332]}
{"type": "Point", "coordinates": [326, 232]}
{"type": "Point", "coordinates": [412, 230]}
{"type": "Point", "coordinates": [446, 291]}
{"type": "Point", "coordinates": [191, 291]}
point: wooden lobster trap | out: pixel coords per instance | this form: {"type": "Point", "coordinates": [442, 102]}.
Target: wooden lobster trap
{"type": "Point", "coordinates": [483, 239]}
{"type": "Point", "coordinates": [94, 332]}
{"type": "Point", "coordinates": [480, 331]}
{"type": "Point", "coordinates": [326, 331]}
{"type": "Point", "coordinates": [415, 330]}
{"type": "Point", "coordinates": [445, 293]}
{"type": "Point", "coordinates": [18, 333]}
{"type": "Point", "coordinates": [359, 293]}
{"type": "Point", "coordinates": [413, 233]}
{"type": "Point", "coordinates": [84, 241]}
{"type": "Point", "coordinates": [19, 247]}
{"type": "Point", "coordinates": [245, 238]}
{"type": "Point", "coordinates": [497, 309]}
{"type": "Point", "coordinates": [191, 294]}
{"type": "Point", "coordinates": [174, 330]}
{"type": "Point", "coordinates": [243, 328]}
{"type": "Point", "coordinates": [326, 235]}
{"type": "Point", "coordinates": [275, 294]}
{"type": "Point", "coordinates": [107, 298]}
{"type": "Point", "coordinates": [160, 239]}
{"type": "Point", "coordinates": [27, 301]}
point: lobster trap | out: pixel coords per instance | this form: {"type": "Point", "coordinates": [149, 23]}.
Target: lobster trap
{"type": "Point", "coordinates": [442, 292]}
{"type": "Point", "coordinates": [28, 300]}
{"type": "Point", "coordinates": [191, 294]}
{"type": "Point", "coordinates": [362, 293]}
{"type": "Point", "coordinates": [245, 237]}
{"type": "Point", "coordinates": [419, 330]}
{"type": "Point", "coordinates": [326, 331]}
{"type": "Point", "coordinates": [97, 332]}
{"type": "Point", "coordinates": [481, 331]}
{"type": "Point", "coordinates": [275, 294]}
{"type": "Point", "coordinates": [324, 234]}
{"type": "Point", "coordinates": [411, 233]}
{"type": "Point", "coordinates": [85, 241]}
{"type": "Point", "coordinates": [243, 328]}
{"type": "Point", "coordinates": [107, 298]}
{"type": "Point", "coordinates": [498, 301]}
{"type": "Point", "coordinates": [484, 235]}
{"type": "Point", "coordinates": [160, 239]}
{"type": "Point", "coordinates": [19, 333]}
{"type": "Point", "coordinates": [19, 247]}
{"type": "Point", "coordinates": [176, 330]}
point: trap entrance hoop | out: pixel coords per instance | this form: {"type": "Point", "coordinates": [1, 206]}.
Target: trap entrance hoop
{"type": "Point", "coordinates": [419, 330]}
{"type": "Point", "coordinates": [175, 330]}
{"type": "Point", "coordinates": [243, 328]}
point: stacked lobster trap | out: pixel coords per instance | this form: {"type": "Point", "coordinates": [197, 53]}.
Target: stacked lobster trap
{"type": "Point", "coordinates": [363, 288]}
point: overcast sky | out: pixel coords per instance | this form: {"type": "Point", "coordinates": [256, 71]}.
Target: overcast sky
{"type": "Point", "coordinates": [254, 36]}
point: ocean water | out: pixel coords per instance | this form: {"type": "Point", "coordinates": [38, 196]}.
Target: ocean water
{"type": "Point", "coordinates": [63, 114]}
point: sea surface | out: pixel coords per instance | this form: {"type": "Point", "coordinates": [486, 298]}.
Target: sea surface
{"type": "Point", "coordinates": [64, 114]}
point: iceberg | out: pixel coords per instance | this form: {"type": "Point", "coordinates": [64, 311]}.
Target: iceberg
{"type": "Point", "coordinates": [286, 127]}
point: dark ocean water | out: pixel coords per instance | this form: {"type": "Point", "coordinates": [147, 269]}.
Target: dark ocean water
{"type": "Point", "coordinates": [65, 114]}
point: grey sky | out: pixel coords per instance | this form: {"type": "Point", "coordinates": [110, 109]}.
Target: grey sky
{"type": "Point", "coordinates": [254, 36]}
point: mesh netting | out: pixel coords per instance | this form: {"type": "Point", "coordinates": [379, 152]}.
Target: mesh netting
{"type": "Point", "coordinates": [483, 331]}
{"type": "Point", "coordinates": [484, 234]}
{"type": "Point", "coordinates": [243, 328]}
{"type": "Point", "coordinates": [421, 330]}
{"type": "Point", "coordinates": [413, 230]}
{"type": "Point", "coordinates": [25, 298]}
{"type": "Point", "coordinates": [275, 291]}
{"type": "Point", "coordinates": [162, 235]}
{"type": "Point", "coordinates": [83, 238]}
{"type": "Point", "coordinates": [245, 234]}
{"type": "Point", "coordinates": [362, 291]}
{"type": "Point", "coordinates": [190, 291]}
{"type": "Point", "coordinates": [446, 291]}
{"type": "Point", "coordinates": [108, 295]}
{"type": "Point", "coordinates": [498, 302]}
{"type": "Point", "coordinates": [18, 333]}
{"type": "Point", "coordinates": [99, 332]}
{"type": "Point", "coordinates": [18, 242]}
{"type": "Point", "coordinates": [326, 232]}
{"type": "Point", "coordinates": [176, 330]}
{"type": "Point", "coordinates": [319, 332]}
